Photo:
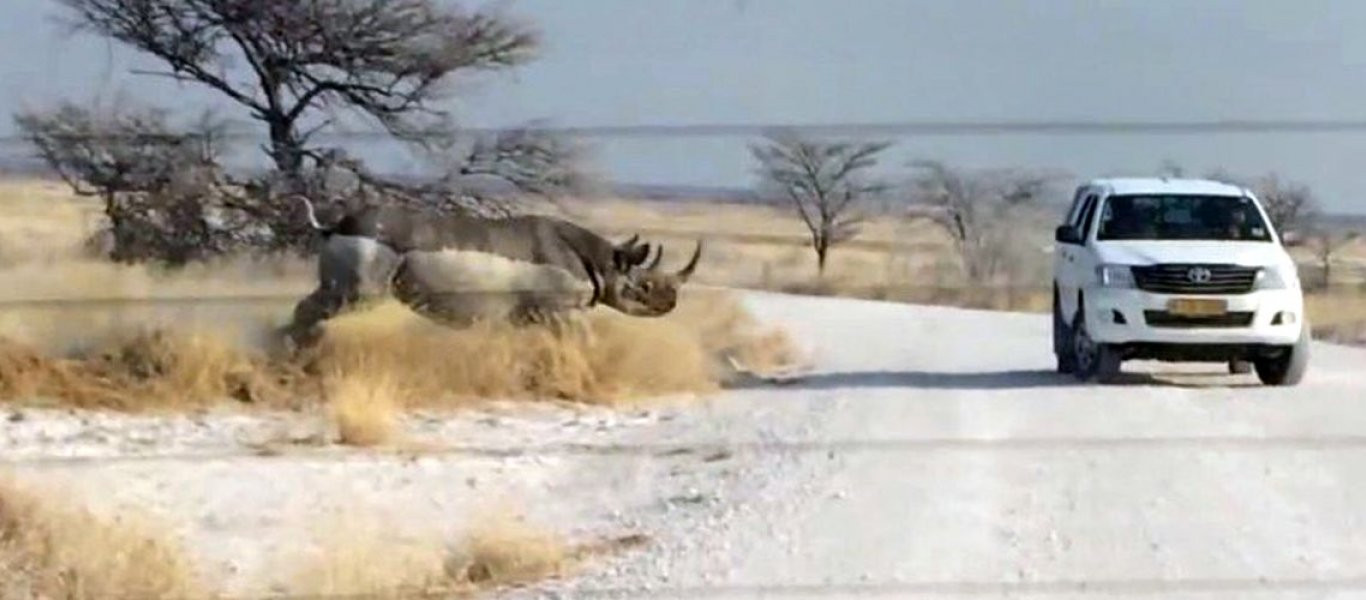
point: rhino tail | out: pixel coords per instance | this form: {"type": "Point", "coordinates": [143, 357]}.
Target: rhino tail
{"type": "Point", "coordinates": [313, 218]}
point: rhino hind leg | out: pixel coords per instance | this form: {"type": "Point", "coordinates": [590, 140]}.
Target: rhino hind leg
{"type": "Point", "coordinates": [305, 328]}
{"type": "Point", "coordinates": [352, 271]}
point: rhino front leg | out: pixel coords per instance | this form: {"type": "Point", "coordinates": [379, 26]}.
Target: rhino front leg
{"type": "Point", "coordinates": [578, 325]}
{"type": "Point", "coordinates": [566, 325]}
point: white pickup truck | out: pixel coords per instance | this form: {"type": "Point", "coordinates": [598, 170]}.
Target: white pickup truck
{"type": "Point", "coordinates": [1178, 270]}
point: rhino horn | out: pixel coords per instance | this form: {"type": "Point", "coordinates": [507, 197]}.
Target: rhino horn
{"type": "Point", "coordinates": [659, 253]}
{"type": "Point", "coordinates": [686, 271]}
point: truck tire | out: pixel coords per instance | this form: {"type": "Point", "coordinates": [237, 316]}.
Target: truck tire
{"type": "Point", "coordinates": [1062, 339]}
{"type": "Point", "coordinates": [1288, 367]}
{"type": "Point", "coordinates": [1093, 362]}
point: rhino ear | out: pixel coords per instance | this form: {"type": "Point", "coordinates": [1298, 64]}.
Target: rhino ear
{"type": "Point", "coordinates": [628, 257]}
{"type": "Point", "coordinates": [640, 254]}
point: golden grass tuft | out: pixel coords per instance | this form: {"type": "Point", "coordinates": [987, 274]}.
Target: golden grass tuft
{"type": "Point", "coordinates": [126, 344]}
{"type": "Point", "coordinates": [144, 371]}
{"type": "Point", "coordinates": [505, 550]}
{"type": "Point", "coordinates": [726, 330]}
{"type": "Point", "coordinates": [371, 561]}
{"type": "Point", "coordinates": [365, 408]}
{"type": "Point", "coordinates": [362, 564]}
{"type": "Point", "coordinates": [51, 551]}
{"type": "Point", "coordinates": [377, 361]}
{"type": "Point", "coordinates": [604, 358]}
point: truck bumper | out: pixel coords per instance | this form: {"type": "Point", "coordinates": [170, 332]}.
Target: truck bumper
{"type": "Point", "coordinates": [1134, 317]}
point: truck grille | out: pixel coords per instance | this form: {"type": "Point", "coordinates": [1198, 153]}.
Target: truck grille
{"type": "Point", "coordinates": [1162, 318]}
{"type": "Point", "coordinates": [1195, 279]}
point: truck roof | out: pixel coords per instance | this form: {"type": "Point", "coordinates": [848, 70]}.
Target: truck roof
{"type": "Point", "coordinates": [1166, 185]}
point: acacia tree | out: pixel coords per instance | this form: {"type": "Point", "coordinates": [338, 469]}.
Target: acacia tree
{"type": "Point", "coordinates": [975, 208]}
{"type": "Point", "coordinates": [386, 59]}
{"type": "Point", "coordinates": [824, 181]}
{"type": "Point", "coordinates": [298, 68]}
{"type": "Point", "coordinates": [1170, 168]}
{"type": "Point", "coordinates": [1289, 204]}
{"type": "Point", "coordinates": [153, 177]}
{"type": "Point", "coordinates": [1326, 244]}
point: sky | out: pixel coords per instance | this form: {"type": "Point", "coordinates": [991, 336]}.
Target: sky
{"type": "Point", "coordinates": [634, 62]}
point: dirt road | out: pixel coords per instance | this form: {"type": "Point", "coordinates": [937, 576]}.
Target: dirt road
{"type": "Point", "coordinates": [937, 455]}
{"type": "Point", "coordinates": [933, 455]}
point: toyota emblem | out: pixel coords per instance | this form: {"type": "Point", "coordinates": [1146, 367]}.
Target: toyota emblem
{"type": "Point", "coordinates": [1199, 275]}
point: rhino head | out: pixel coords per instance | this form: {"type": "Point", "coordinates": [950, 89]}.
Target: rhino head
{"type": "Point", "coordinates": [635, 285]}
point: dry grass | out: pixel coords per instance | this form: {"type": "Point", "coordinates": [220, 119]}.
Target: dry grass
{"type": "Point", "coordinates": [503, 549]}
{"type": "Point", "coordinates": [357, 560]}
{"type": "Point", "coordinates": [93, 334]}
{"type": "Point", "coordinates": [143, 371]}
{"type": "Point", "coordinates": [42, 221]}
{"type": "Point", "coordinates": [1338, 316]}
{"type": "Point", "coordinates": [375, 361]}
{"type": "Point", "coordinates": [79, 355]}
{"type": "Point", "coordinates": [53, 551]}
{"type": "Point", "coordinates": [604, 358]}
{"type": "Point", "coordinates": [365, 408]}
{"type": "Point", "coordinates": [500, 550]}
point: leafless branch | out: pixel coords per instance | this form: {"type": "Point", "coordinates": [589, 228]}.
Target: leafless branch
{"type": "Point", "coordinates": [976, 209]}
{"type": "Point", "coordinates": [385, 59]}
{"type": "Point", "coordinates": [824, 181]}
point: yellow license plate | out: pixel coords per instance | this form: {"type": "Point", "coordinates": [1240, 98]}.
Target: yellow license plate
{"type": "Point", "coordinates": [1197, 307]}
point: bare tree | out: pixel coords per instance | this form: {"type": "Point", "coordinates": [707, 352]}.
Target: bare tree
{"type": "Point", "coordinates": [1326, 245]}
{"type": "Point", "coordinates": [976, 210]}
{"type": "Point", "coordinates": [1289, 204]}
{"type": "Point", "coordinates": [386, 59]}
{"type": "Point", "coordinates": [153, 177]}
{"type": "Point", "coordinates": [296, 67]}
{"type": "Point", "coordinates": [824, 181]}
{"type": "Point", "coordinates": [1170, 168]}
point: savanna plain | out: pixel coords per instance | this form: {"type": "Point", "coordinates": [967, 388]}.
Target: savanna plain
{"type": "Point", "coordinates": [158, 442]}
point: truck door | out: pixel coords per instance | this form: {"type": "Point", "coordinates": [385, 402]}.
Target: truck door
{"type": "Point", "coordinates": [1073, 258]}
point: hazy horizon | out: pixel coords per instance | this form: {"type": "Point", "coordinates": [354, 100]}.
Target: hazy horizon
{"type": "Point", "coordinates": [617, 62]}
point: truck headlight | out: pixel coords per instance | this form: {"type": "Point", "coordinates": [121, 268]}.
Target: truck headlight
{"type": "Point", "coordinates": [1275, 278]}
{"type": "Point", "coordinates": [1115, 276]}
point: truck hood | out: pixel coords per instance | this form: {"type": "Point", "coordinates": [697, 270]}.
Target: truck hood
{"type": "Point", "coordinates": [1147, 252]}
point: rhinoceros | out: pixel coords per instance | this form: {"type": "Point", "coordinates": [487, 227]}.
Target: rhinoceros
{"type": "Point", "coordinates": [458, 268]}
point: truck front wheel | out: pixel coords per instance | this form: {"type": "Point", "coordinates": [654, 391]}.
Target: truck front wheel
{"type": "Point", "coordinates": [1062, 339]}
{"type": "Point", "coordinates": [1289, 365]}
{"type": "Point", "coordinates": [1092, 361]}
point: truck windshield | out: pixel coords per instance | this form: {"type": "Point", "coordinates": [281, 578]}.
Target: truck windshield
{"type": "Point", "coordinates": [1181, 217]}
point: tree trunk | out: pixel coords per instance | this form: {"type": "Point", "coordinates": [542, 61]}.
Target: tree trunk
{"type": "Point", "coordinates": [285, 149]}
{"type": "Point", "coordinates": [822, 250]}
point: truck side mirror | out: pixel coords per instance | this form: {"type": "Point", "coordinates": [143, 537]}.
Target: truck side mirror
{"type": "Point", "coordinates": [1067, 234]}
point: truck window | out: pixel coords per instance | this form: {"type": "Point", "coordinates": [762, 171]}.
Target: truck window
{"type": "Point", "coordinates": [1074, 211]}
{"type": "Point", "coordinates": [1088, 216]}
{"type": "Point", "coordinates": [1181, 217]}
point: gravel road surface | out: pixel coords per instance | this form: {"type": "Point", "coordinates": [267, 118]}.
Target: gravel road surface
{"type": "Point", "coordinates": [936, 455]}
{"type": "Point", "coordinates": [933, 454]}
